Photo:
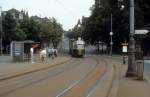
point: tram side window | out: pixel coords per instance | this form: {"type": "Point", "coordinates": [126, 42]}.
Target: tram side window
{"type": "Point", "coordinates": [74, 46]}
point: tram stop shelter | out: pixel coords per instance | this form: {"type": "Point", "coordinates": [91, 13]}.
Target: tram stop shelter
{"type": "Point", "coordinates": [20, 50]}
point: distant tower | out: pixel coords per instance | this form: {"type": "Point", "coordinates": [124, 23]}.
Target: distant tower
{"type": "Point", "coordinates": [79, 23]}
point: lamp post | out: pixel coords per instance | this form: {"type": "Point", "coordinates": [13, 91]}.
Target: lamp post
{"type": "Point", "coordinates": [1, 32]}
{"type": "Point", "coordinates": [111, 30]}
{"type": "Point", "coordinates": [111, 34]}
{"type": "Point", "coordinates": [131, 71]}
{"type": "Point", "coordinates": [111, 42]}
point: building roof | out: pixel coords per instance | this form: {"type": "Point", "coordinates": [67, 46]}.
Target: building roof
{"type": "Point", "coordinates": [26, 41]}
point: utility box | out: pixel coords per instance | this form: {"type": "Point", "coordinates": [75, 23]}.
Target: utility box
{"type": "Point", "coordinates": [17, 51]}
{"type": "Point", "coordinates": [140, 65]}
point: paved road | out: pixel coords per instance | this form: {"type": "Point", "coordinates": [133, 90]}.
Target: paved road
{"type": "Point", "coordinates": [5, 59]}
{"type": "Point", "coordinates": [73, 79]}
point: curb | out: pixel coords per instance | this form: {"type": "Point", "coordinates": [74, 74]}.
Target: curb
{"type": "Point", "coordinates": [147, 78]}
{"type": "Point", "coordinates": [32, 71]}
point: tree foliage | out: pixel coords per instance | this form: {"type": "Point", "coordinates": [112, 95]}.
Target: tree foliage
{"type": "Point", "coordinates": [98, 25]}
{"type": "Point", "coordinates": [12, 29]}
{"type": "Point", "coordinates": [51, 32]}
{"type": "Point", "coordinates": [44, 30]}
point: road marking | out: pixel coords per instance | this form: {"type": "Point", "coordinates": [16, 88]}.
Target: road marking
{"type": "Point", "coordinates": [67, 89]}
{"type": "Point", "coordinates": [100, 80]}
{"type": "Point", "coordinates": [72, 85]}
{"type": "Point", "coordinates": [97, 85]}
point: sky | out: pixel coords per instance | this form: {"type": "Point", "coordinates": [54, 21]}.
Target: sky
{"type": "Point", "coordinates": [67, 12]}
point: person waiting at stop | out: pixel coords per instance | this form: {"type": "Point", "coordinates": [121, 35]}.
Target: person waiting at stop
{"type": "Point", "coordinates": [55, 52]}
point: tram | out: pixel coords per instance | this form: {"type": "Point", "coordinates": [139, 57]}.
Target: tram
{"type": "Point", "coordinates": [77, 47]}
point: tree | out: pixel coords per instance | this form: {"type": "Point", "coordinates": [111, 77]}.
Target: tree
{"type": "Point", "coordinates": [33, 28]}
{"type": "Point", "coordinates": [57, 32]}
{"type": "Point", "coordinates": [12, 29]}
{"type": "Point", "coordinates": [46, 32]}
{"type": "Point", "coordinates": [51, 31]}
{"type": "Point", "coordinates": [97, 27]}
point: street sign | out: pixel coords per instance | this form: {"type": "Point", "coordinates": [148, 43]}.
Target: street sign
{"type": "Point", "coordinates": [141, 31]}
{"type": "Point", "coordinates": [124, 49]}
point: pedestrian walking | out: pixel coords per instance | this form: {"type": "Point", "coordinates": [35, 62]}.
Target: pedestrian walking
{"type": "Point", "coordinates": [49, 52]}
{"type": "Point", "coordinates": [55, 52]}
{"type": "Point", "coordinates": [52, 53]}
{"type": "Point", "coordinates": [43, 55]}
{"type": "Point", "coordinates": [31, 53]}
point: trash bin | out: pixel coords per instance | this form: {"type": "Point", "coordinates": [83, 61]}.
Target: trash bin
{"type": "Point", "coordinates": [140, 69]}
{"type": "Point", "coordinates": [139, 64]}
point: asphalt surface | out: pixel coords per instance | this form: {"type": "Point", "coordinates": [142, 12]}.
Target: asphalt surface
{"type": "Point", "coordinates": [73, 79]}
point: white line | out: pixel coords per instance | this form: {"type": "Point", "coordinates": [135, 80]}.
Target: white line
{"type": "Point", "coordinates": [67, 89]}
{"type": "Point", "coordinates": [72, 85]}
{"type": "Point", "coordinates": [102, 79]}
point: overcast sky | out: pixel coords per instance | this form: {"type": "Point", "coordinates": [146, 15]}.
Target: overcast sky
{"type": "Point", "coordinates": [67, 12]}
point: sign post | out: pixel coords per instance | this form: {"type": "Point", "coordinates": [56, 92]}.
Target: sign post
{"type": "Point", "coordinates": [125, 50]}
{"type": "Point", "coordinates": [140, 34]}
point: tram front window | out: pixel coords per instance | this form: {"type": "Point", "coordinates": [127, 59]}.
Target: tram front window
{"type": "Point", "coordinates": [80, 46]}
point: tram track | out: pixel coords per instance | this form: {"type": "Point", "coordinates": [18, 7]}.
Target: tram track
{"type": "Point", "coordinates": [77, 82]}
{"type": "Point", "coordinates": [73, 89]}
{"type": "Point", "coordinates": [77, 76]}
{"type": "Point", "coordinates": [18, 74]}
{"type": "Point", "coordinates": [6, 83]}
{"type": "Point", "coordinates": [98, 81]}
{"type": "Point", "coordinates": [103, 85]}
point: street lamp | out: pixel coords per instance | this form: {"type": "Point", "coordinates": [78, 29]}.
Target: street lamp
{"type": "Point", "coordinates": [131, 71]}
{"type": "Point", "coordinates": [1, 32]}
{"type": "Point", "coordinates": [111, 34]}
{"type": "Point", "coordinates": [111, 42]}
{"type": "Point", "coordinates": [121, 5]}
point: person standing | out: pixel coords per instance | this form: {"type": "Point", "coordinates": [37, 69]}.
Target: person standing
{"type": "Point", "coordinates": [43, 55]}
{"type": "Point", "coordinates": [53, 53]}
{"type": "Point", "coordinates": [49, 52]}
{"type": "Point", "coordinates": [31, 53]}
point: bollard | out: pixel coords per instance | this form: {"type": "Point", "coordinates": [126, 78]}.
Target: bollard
{"type": "Point", "coordinates": [140, 69]}
{"type": "Point", "coordinates": [125, 59]}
